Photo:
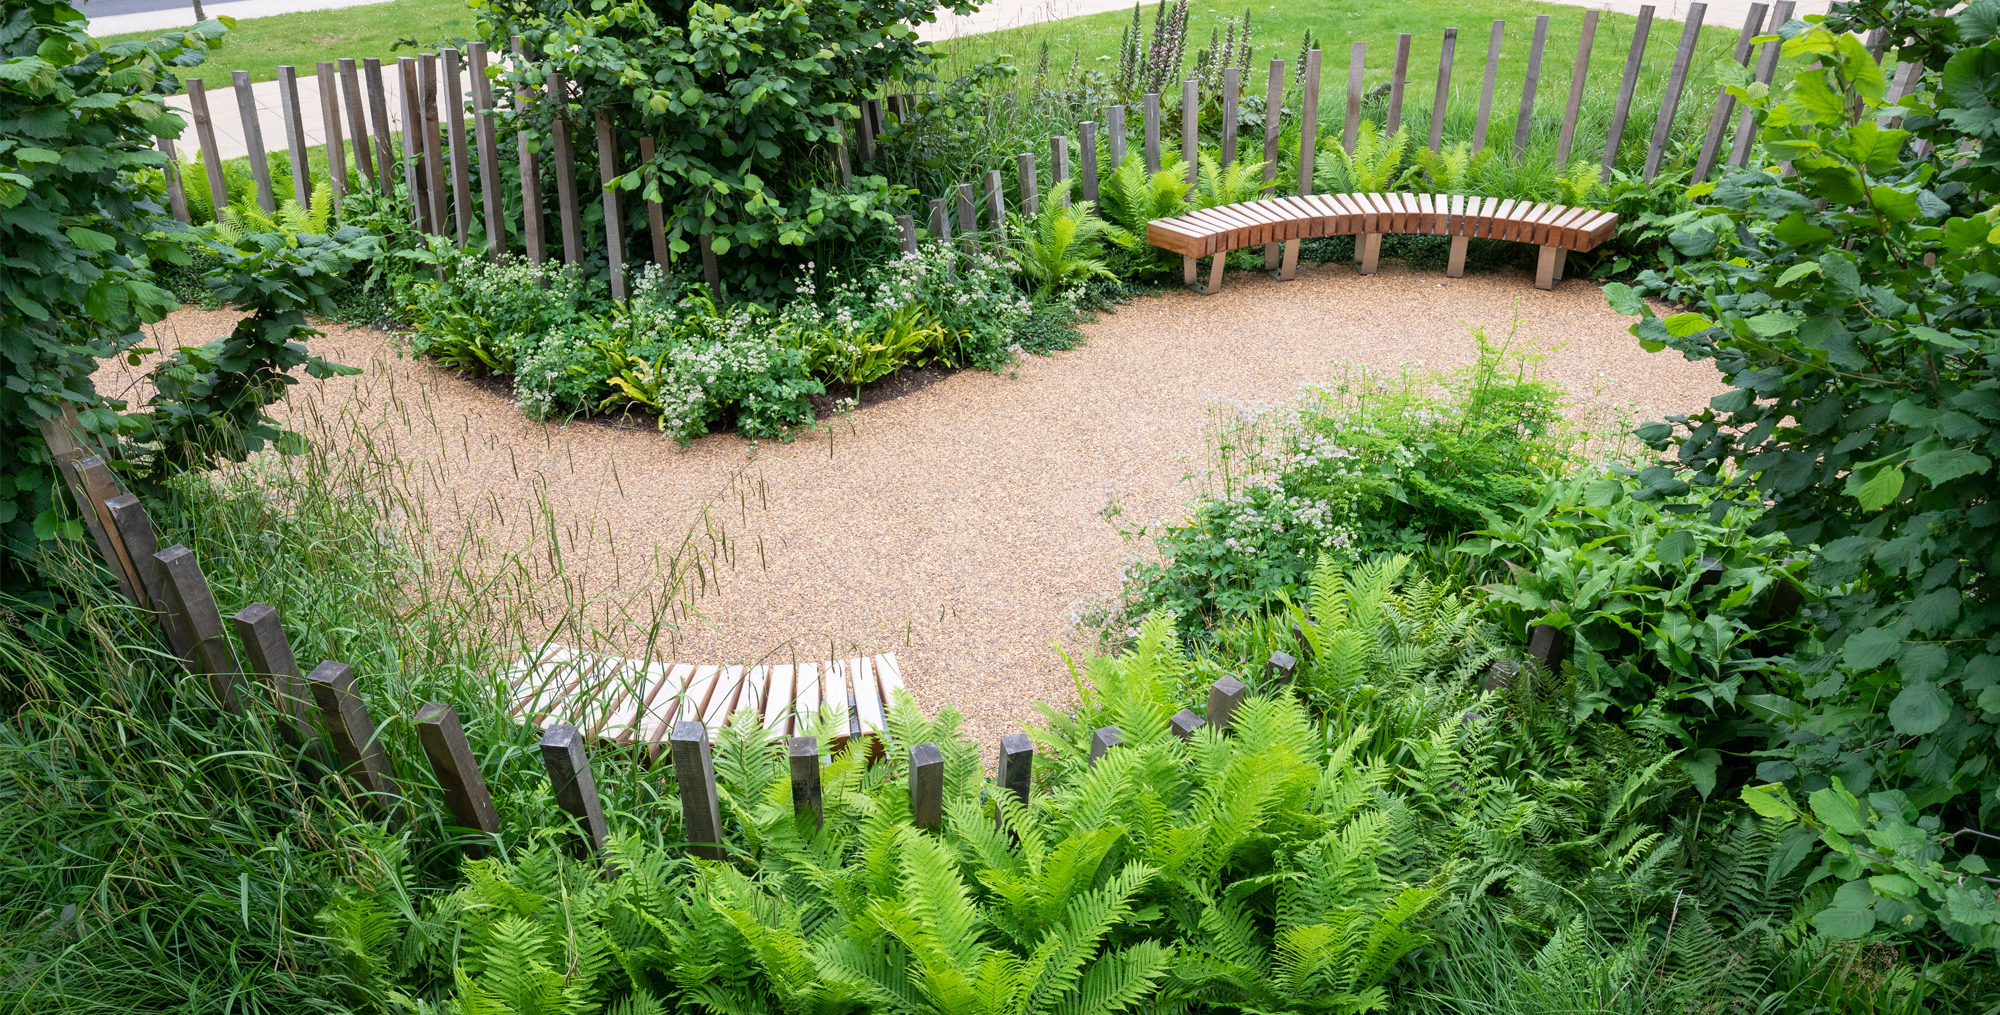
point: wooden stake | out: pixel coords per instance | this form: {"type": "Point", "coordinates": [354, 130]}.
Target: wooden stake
{"type": "Point", "coordinates": [135, 531]}
{"type": "Point", "coordinates": [695, 771]}
{"type": "Point", "coordinates": [1396, 75]}
{"type": "Point", "coordinates": [614, 223]}
{"type": "Point", "coordinates": [177, 202]}
{"type": "Point", "coordinates": [803, 754]}
{"type": "Point", "coordinates": [357, 125]}
{"type": "Point", "coordinates": [1225, 696]}
{"type": "Point", "coordinates": [1114, 129]}
{"type": "Point", "coordinates": [454, 132]}
{"type": "Point", "coordinates": [253, 141]}
{"type": "Point", "coordinates": [1767, 66]}
{"type": "Point", "coordinates": [295, 134]}
{"type": "Point", "coordinates": [434, 182]}
{"type": "Point", "coordinates": [1486, 86]}
{"type": "Point", "coordinates": [1578, 74]}
{"type": "Point", "coordinates": [1017, 765]}
{"type": "Point", "coordinates": [329, 112]}
{"type": "Point", "coordinates": [1030, 205]}
{"type": "Point", "coordinates": [1184, 723]}
{"type": "Point", "coordinates": [1308, 144]}
{"type": "Point", "coordinates": [457, 772]}
{"type": "Point", "coordinates": [1232, 81]}
{"type": "Point", "coordinates": [189, 596]}
{"type": "Point", "coordinates": [1102, 740]}
{"type": "Point", "coordinates": [996, 207]}
{"type": "Point", "coordinates": [1725, 103]}
{"type": "Point", "coordinates": [486, 138]}
{"type": "Point", "coordinates": [414, 176]}
{"type": "Point", "coordinates": [532, 210]}
{"type": "Point", "coordinates": [656, 220]}
{"type": "Point", "coordinates": [268, 653]}
{"type": "Point", "coordinates": [352, 731]}
{"type": "Point", "coordinates": [1443, 94]}
{"type": "Point", "coordinates": [1663, 126]}
{"type": "Point", "coordinates": [576, 790]}
{"type": "Point", "coordinates": [1357, 61]}
{"type": "Point", "coordinates": [908, 227]}
{"type": "Point", "coordinates": [566, 204]}
{"type": "Point", "coordinates": [1086, 134]}
{"type": "Point", "coordinates": [1622, 108]}
{"type": "Point", "coordinates": [1525, 121]}
{"type": "Point", "coordinates": [1191, 129]}
{"type": "Point", "coordinates": [1274, 128]}
{"type": "Point", "coordinates": [926, 786]}
{"type": "Point", "coordinates": [378, 113]}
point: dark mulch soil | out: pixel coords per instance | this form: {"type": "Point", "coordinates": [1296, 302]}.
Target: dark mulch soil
{"type": "Point", "coordinates": [888, 389]}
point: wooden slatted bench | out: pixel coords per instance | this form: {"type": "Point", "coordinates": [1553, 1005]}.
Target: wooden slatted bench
{"type": "Point", "coordinates": [632, 701]}
{"type": "Point", "coordinates": [1214, 232]}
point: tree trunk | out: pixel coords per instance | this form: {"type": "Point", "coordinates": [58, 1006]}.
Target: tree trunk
{"type": "Point", "coordinates": [198, 15]}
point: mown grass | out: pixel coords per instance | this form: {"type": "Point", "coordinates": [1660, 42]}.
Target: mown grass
{"type": "Point", "coordinates": [384, 30]}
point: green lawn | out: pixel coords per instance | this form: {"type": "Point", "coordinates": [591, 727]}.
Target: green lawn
{"type": "Point", "coordinates": [259, 45]}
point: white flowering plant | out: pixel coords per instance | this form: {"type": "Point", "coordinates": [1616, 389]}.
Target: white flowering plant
{"type": "Point", "coordinates": [1372, 464]}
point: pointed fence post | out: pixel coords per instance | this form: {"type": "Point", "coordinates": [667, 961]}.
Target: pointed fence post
{"type": "Point", "coordinates": [188, 594]}
{"type": "Point", "coordinates": [694, 769]}
{"type": "Point", "coordinates": [1224, 697]}
{"type": "Point", "coordinates": [352, 731]}
{"type": "Point", "coordinates": [1102, 740]}
{"type": "Point", "coordinates": [268, 653]}
{"type": "Point", "coordinates": [803, 754]}
{"type": "Point", "coordinates": [926, 786]}
{"type": "Point", "coordinates": [575, 789]}
{"type": "Point", "coordinates": [457, 772]}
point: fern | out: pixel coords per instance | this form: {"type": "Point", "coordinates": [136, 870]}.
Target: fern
{"type": "Point", "coordinates": [1449, 171]}
{"type": "Point", "coordinates": [1059, 245]}
{"type": "Point", "coordinates": [1375, 165]}
{"type": "Point", "coordinates": [1217, 185]}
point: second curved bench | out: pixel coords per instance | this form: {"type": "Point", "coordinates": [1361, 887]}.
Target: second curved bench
{"type": "Point", "coordinates": [1213, 232]}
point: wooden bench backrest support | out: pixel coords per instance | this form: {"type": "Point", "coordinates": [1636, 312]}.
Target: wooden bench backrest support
{"type": "Point", "coordinates": [1274, 220]}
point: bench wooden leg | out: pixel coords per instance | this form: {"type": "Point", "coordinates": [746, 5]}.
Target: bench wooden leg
{"type": "Point", "coordinates": [1191, 272]}
{"type": "Point", "coordinates": [1545, 267]}
{"type": "Point", "coordinates": [1370, 248]}
{"type": "Point", "coordinates": [1272, 252]}
{"type": "Point", "coordinates": [1456, 266]}
{"type": "Point", "coordinates": [1562, 261]}
{"type": "Point", "coordinates": [1289, 269]}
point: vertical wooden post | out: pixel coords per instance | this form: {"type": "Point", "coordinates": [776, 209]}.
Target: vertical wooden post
{"type": "Point", "coordinates": [414, 176]}
{"type": "Point", "coordinates": [867, 146]}
{"type": "Point", "coordinates": [940, 224]}
{"type": "Point", "coordinates": [695, 771]}
{"type": "Point", "coordinates": [268, 653]}
{"type": "Point", "coordinates": [427, 70]}
{"type": "Point", "coordinates": [177, 201]}
{"type": "Point", "coordinates": [1622, 108]}
{"type": "Point", "coordinates": [454, 132]}
{"type": "Point", "coordinates": [1279, 668]}
{"type": "Point", "coordinates": [907, 226]}
{"type": "Point", "coordinates": [926, 786]}
{"type": "Point", "coordinates": [996, 207]}
{"type": "Point", "coordinates": [968, 218]}
{"type": "Point", "coordinates": [575, 788]}
{"type": "Point", "coordinates": [803, 754]}
{"type": "Point", "coordinates": [1274, 128]}
{"type": "Point", "coordinates": [90, 484]}
{"type": "Point", "coordinates": [566, 203]}
{"type": "Point", "coordinates": [1017, 765]}
{"type": "Point", "coordinates": [1224, 697]}
{"type": "Point", "coordinates": [840, 161]}
{"type": "Point", "coordinates": [1486, 85]}
{"type": "Point", "coordinates": [1725, 103]}
{"type": "Point", "coordinates": [1525, 122]}
{"type": "Point", "coordinates": [253, 141]}
{"type": "Point", "coordinates": [1086, 137]}
{"type": "Point", "coordinates": [531, 182]}
{"type": "Point", "coordinates": [295, 134]}
{"type": "Point", "coordinates": [1191, 129]}
{"type": "Point", "coordinates": [1357, 61]}
{"type": "Point", "coordinates": [1102, 740]}
{"type": "Point", "coordinates": [1184, 723]}
{"type": "Point", "coordinates": [135, 532]}
{"type": "Point", "coordinates": [1152, 143]}
{"type": "Point", "coordinates": [357, 125]}
{"type": "Point", "coordinates": [1767, 66]}
{"type": "Point", "coordinates": [1308, 145]}
{"type": "Point", "coordinates": [1443, 95]}
{"type": "Point", "coordinates": [1232, 81]}
{"type": "Point", "coordinates": [1579, 73]}
{"type": "Point", "coordinates": [1030, 205]}
{"type": "Point", "coordinates": [1396, 75]}
{"type": "Point", "coordinates": [352, 731]}
{"type": "Point", "coordinates": [1114, 130]}
{"type": "Point", "coordinates": [1663, 126]}
{"type": "Point", "coordinates": [485, 137]}
{"type": "Point", "coordinates": [711, 272]}
{"type": "Point", "coordinates": [1058, 160]}
{"type": "Point", "coordinates": [656, 220]}
{"type": "Point", "coordinates": [457, 771]}
{"type": "Point", "coordinates": [1546, 647]}
{"type": "Point", "coordinates": [329, 112]}
{"type": "Point", "coordinates": [614, 223]}
{"type": "Point", "coordinates": [189, 596]}
{"type": "Point", "coordinates": [378, 114]}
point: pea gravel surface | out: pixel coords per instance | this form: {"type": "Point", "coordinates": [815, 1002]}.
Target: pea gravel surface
{"type": "Point", "coordinates": [960, 525]}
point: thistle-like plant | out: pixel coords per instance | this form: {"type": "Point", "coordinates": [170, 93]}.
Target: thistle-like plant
{"type": "Point", "coordinates": [1060, 244]}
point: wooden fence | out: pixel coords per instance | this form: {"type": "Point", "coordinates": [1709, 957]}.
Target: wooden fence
{"type": "Point", "coordinates": [435, 155]}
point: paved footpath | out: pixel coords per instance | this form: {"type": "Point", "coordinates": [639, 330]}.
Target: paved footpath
{"type": "Point", "coordinates": [223, 105]}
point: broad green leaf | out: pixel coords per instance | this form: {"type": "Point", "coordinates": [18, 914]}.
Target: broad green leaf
{"type": "Point", "coordinates": [1682, 325]}
{"type": "Point", "coordinates": [1844, 923]}
{"type": "Point", "coordinates": [1774, 323]}
{"type": "Point", "coordinates": [1771, 800]}
{"type": "Point", "coordinates": [1869, 648]}
{"type": "Point", "coordinates": [1875, 489]}
{"type": "Point", "coordinates": [1919, 708]}
{"type": "Point", "coordinates": [1943, 466]}
{"type": "Point", "coordinates": [1836, 808]}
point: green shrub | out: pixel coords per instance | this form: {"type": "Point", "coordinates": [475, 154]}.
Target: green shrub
{"type": "Point", "coordinates": [1367, 465]}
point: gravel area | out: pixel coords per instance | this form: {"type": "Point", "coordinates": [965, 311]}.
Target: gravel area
{"type": "Point", "coordinates": [956, 526]}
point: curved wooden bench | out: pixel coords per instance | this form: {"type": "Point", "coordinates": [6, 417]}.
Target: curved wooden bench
{"type": "Point", "coordinates": [1214, 232]}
